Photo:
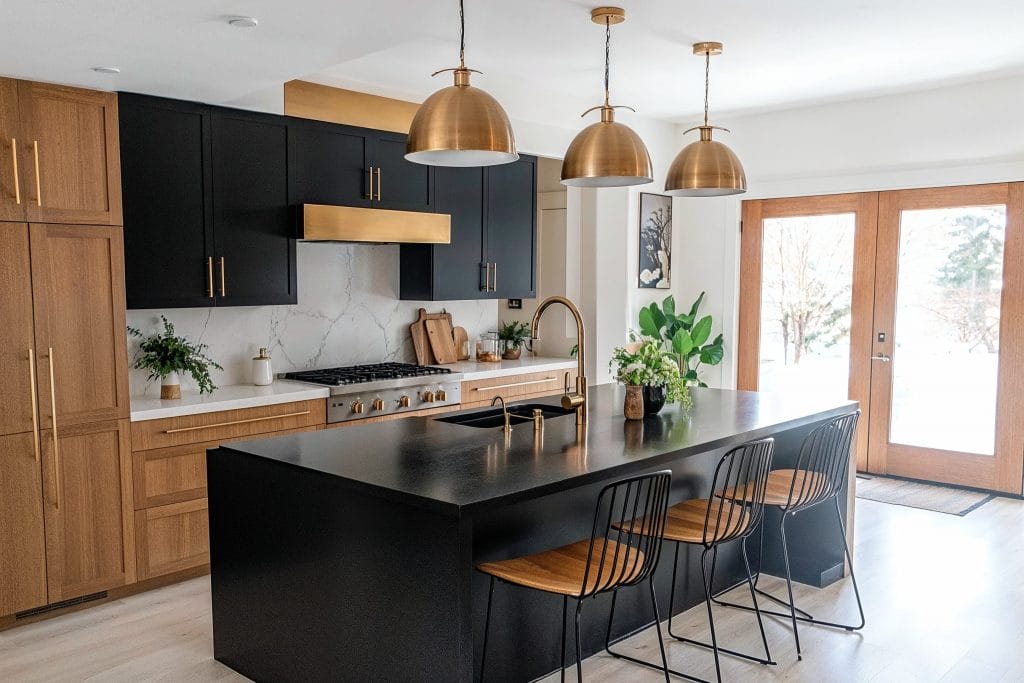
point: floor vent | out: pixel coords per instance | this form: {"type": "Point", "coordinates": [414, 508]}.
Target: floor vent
{"type": "Point", "coordinates": [60, 605]}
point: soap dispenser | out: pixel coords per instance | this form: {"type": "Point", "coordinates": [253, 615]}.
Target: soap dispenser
{"type": "Point", "coordinates": [262, 373]}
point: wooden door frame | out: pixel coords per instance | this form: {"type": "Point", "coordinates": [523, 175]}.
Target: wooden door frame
{"type": "Point", "coordinates": [1004, 470]}
{"type": "Point", "coordinates": [865, 207]}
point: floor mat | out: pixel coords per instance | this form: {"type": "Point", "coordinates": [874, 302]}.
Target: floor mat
{"type": "Point", "coordinates": [945, 499]}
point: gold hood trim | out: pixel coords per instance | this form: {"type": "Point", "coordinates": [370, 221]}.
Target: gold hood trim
{"type": "Point", "coordinates": [323, 223]}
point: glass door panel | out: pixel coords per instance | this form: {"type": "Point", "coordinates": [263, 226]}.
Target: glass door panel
{"type": "Point", "coordinates": [806, 300]}
{"type": "Point", "coordinates": [946, 332]}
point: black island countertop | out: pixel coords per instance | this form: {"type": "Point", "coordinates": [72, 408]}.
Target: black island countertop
{"type": "Point", "coordinates": [454, 469]}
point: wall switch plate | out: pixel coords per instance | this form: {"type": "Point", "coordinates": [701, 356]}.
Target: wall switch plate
{"type": "Point", "coordinates": [515, 303]}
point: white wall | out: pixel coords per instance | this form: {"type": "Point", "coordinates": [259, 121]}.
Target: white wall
{"type": "Point", "coordinates": [958, 135]}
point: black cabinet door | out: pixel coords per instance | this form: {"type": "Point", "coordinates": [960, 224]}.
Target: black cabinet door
{"type": "Point", "coordinates": [254, 250]}
{"type": "Point", "coordinates": [166, 188]}
{"type": "Point", "coordinates": [511, 228]}
{"type": "Point", "coordinates": [398, 183]}
{"type": "Point", "coordinates": [458, 267]}
{"type": "Point", "coordinates": [328, 164]}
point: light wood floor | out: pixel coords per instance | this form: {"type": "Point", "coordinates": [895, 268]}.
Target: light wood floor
{"type": "Point", "coordinates": [944, 597]}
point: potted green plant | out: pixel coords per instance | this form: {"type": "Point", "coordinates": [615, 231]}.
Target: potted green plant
{"type": "Point", "coordinates": [651, 376]}
{"type": "Point", "coordinates": [513, 335]}
{"type": "Point", "coordinates": [684, 334]}
{"type": "Point", "coordinates": [166, 355]}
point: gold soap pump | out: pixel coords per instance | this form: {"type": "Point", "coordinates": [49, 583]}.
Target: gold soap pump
{"type": "Point", "coordinates": [262, 372]}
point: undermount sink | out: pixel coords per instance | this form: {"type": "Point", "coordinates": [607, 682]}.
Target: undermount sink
{"type": "Point", "coordinates": [518, 414]}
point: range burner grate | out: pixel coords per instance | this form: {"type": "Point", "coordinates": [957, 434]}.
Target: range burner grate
{"type": "Point", "coordinates": [359, 374]}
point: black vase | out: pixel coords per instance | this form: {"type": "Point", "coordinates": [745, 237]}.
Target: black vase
{"type": "Point", "coordinates": [654, 399]}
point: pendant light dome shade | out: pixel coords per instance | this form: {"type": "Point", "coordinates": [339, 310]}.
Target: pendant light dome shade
{"type": "Point", "coordinates": [606, 153]}
{"type": "Point", "coordinates": [706, 168]}
{"type": "Point", "coordinates": [461, 125]}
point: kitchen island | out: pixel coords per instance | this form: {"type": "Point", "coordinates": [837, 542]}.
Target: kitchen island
{"type": "Point", "coordinates": [349, 554]}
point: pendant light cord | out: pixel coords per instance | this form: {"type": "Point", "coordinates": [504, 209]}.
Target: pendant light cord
{"type": "Point", "coordinates": [607, 55]}
{"type": "Point", "coordinates": [707, 83]}
{"type": "Point", "coordinates": [462, 35]}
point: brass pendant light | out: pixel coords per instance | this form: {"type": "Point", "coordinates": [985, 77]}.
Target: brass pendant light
{"type": "Point", "coordinates": [706, 168]}
{"type": "Point", "coordinates": [461, 125]}
{"type": "Point", "coordinates": [607, 153]}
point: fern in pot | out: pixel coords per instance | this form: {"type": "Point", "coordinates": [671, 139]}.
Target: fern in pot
{"type": "Point", "coordinates": [513, 336]}
{"type": "Point", "coordinates": [167, 356]}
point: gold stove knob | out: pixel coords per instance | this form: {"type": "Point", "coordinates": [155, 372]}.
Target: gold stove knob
{"type": "Point", "coordinates": [357, 407]}
{"type": "Point", "coordinates": [403, 402]}
{"type": "Point", "coordinates": [378, 404]}
{"type": "Point", "coordinates": [428, 396]}
{"type": "Point", "coordinates": [441, 395]}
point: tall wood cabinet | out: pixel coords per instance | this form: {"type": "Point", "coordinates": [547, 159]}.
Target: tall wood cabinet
{"type": "Point", "coordinates": [66, 518]}
{"type": "Point", "coordinates": [61, 154]}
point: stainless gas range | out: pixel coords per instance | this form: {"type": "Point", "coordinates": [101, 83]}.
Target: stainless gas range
{"type": "Point", "coordinates": [362, 391]}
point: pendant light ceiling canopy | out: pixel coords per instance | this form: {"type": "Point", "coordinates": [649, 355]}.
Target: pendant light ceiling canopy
{"type": "Point", "coordinates": [607, 153]}
{"type": "Point", "coordinates": [706, 168]}
{"type": "Point", "coordinates": [461, 125]}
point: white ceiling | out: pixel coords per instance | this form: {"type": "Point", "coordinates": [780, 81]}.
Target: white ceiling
{"type": "Point", "coordinates": [542, 58]}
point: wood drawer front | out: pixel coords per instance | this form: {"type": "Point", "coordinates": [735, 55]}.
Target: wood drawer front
{"type": "Point", "coordinates": [228, 424]}
{"type": "Point", "coordinates": [512, 387]}
{"type": "Point", "coordinates": [171, 475]}
{"type": "Point", "coordinates": [171, 538]}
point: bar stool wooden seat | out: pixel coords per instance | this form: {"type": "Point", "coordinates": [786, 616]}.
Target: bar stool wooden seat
{"type": "Point", "coordinates": [740, 477]}
{"type": "Point", "coordinates": [821, 471]}
{"type": "Point", "coordinates": [623, 550]}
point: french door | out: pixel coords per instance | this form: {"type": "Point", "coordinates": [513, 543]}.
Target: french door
{"type": "Point", "coordinates": [913, 302]}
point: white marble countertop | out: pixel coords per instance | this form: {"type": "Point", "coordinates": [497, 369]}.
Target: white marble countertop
{"type": "Point", "coordinates": [225, 398]}
{"type": "Point", "coordinates": [472, 369]}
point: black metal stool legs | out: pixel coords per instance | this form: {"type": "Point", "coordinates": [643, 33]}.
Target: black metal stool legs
{"type": "Point", "coordinates": [789, 585]}
{"type": "Point", "coordinates": [661, 642]}
{"type": "Point", "coordinates": [561, 661]}
{"type": "Point", "coordinates": [579, 659]}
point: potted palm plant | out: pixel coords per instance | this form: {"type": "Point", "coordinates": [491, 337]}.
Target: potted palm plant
{"type": "Point", "coordinates": [513, 335]}
{"type": "Point", "coordinates": [167, 355]}
{"type": "Point", "coordinates": [651, 376]}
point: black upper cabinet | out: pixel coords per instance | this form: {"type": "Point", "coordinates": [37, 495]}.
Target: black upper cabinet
{"type": "Point", "coordinates": [206, 217]}
{"type": "Point", "coordinates": [168, 231]}
{"type": "Point", "coordinates": [492, 253]}
{"type": "Point", "coordinates": [345, 165]}
{"type": "Point", "coordinates": [255, 252]}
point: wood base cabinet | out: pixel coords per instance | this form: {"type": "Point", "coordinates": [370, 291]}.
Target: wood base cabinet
{"type": "Point", "coordinates": [171, 538]}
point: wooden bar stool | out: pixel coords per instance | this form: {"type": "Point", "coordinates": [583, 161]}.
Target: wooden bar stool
{"type": "Point", "coordinates": [740, 478]}
{"type": "Point", "coordinates": [622, 550]}
{"type": "Point", "coordinates": [820, 473]}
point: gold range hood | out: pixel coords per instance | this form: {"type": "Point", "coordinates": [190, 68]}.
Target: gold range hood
{"type": "Point", "coordinates": [323, 223]}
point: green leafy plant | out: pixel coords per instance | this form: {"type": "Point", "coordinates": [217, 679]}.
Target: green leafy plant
{"type": "Point", "coordinates": [515, 332]}
{"type": "Point", "coordinates": [643, 362]}
{"type": "Point", "coordinates": [684, 334]}
{"type": "Point", "coordinates": [165, 353]}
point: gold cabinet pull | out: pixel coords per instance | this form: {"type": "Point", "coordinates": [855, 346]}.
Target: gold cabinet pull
{"type": "Point", "coordinates": [209, 277]}
{"type": "Point", "coordinates": [35, 400]}
{"type": "Point", "coordinates": [369, 175]}
{"type": "Point", "coordinates": [14, 162]}
{"type": "Point", "coordinates": [249, 420]}
{"type": "Point", "coordinates": [53, 423]}
{"type": "Point", "coordinates": [515, 384]}
{"type": "Point", "coordinates": [223, 279]}
{"type": "Point", "coordinates": [35, 154]}
{"type": "Point", "coordinates": [495, 285]}
{"type": "Point", "coordinates": [378, 183]}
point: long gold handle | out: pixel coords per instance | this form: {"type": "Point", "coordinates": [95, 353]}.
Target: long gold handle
{"type": "Point", "coordinates": [53, 423]}
{"type": "Point", "coordinates": [209, 277]}
{"type": "Point", "coordinates": [515, 384]}
{"type": "Point", "coordinates": [35, 400]}
{"type": "Point", "coordinates": [378, 183]}
{"type": "Point", "coordinates": [14, 162]}
{"type": "Point", "coordinates": [370, 182]}
{"type": "Point", "coordinates": [489, 287]}
{"type": "Point", "coordinates": [235, 422]}
{"type": "Point", "coordinates": [223, 279]}
{"type": "Point", "coordinates": [39, 192]}
{"type": "Point", "coordinates": [495, 277]}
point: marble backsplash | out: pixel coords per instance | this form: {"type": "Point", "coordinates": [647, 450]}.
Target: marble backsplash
{"type": "Point", "coordinates": [348, 313]}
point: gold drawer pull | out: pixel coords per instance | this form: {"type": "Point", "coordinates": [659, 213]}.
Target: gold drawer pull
{"type": "Point", "coordinates": [35, 400]}
{"type": "Point", "coordinates": [53, 425]}
{"type": "Point", "coordinates": [235, 422]}
{"type": "Point", "coordinates": [14, 161]}
{"type": "Point", "coordinates": [515, 384]}
{"type": "Point", "coordinates": [35, 153]}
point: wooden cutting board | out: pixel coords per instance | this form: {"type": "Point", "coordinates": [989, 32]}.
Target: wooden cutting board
{"type": "Point", "coordinates": [420, 342]}
{"type": "Point", "coordinates": [439, 332]}
{"type": "Point", "coordinates": [461, 338]}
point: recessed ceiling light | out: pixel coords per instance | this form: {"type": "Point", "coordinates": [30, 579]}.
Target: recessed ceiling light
{"type": "Point", "coordinates": [106, 69]}
{"type": "Point", "coordinates": [243, 22]}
